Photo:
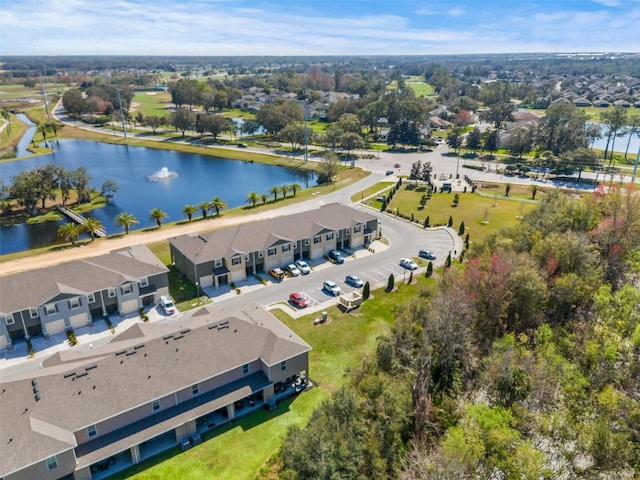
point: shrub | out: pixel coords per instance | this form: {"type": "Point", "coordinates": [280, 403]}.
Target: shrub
{"type": "Point", "coordinates": [447, 262]}
{"type": "Point", "coordinates": [232, 285]}
{"type": "Point", "coordinates": [410, 277]}
{"type": "Point", "coordinates": [390, 282]}
{"type": "Point", "coordinates": [71, 336]}
{"type": "Point", "coordinates": [429, 271]}
{"type": "Point", "coordinates": [466, 241]}
{"type": "Point", "coordinates": [461, 229]}
{"type": "Point", "coordinates": [366, 291]}
{"type": "Point", "coordinates": [426, 222]}
{"type": "Point", "coordinates": [450, 222]}
{"type": "Point", "coordinates": [456, 199]}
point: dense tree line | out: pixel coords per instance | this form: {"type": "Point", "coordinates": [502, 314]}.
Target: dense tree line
{"type": "Point", "coordinates": [524, 364]}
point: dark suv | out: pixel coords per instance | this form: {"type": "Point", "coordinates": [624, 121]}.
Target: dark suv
{"type": "Point", "coordinates": [336, 256]}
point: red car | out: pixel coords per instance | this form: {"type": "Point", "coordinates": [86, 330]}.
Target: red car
{"type": "Point", "coordinates": [298, 300]}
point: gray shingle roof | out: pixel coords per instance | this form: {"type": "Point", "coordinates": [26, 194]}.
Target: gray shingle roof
{"type": "Point", "coordinates": [260, 235]}
{"type": "Point", "coordinates": [36, 287]}
{"type": "Point", "coordinates": [136, 367]}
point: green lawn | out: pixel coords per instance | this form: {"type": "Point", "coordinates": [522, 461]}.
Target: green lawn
{"type": "Point", "coordinates": [152, 103]}
{"type": "Point", "coordinates": [473, 209]}
{"type": "Point", "coordinates": [421, 89]}
{"type": "Point", "coordinates": [371, 190]}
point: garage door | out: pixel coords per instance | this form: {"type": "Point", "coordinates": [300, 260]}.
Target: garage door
{"type": "Point", "coordinates": [54, 328]}
{"type": "Point", "coordinates": [3, 342]}
{"type": "Point", "coordinates": [80, 320]}
{"type": "Point", "coordinates": [129, 306]}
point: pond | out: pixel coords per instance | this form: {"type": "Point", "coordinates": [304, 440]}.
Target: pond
{"type": "Point", "coordinates": [180, 179]}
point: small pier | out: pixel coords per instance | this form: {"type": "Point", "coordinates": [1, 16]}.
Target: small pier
{"type": "Point", "coordinates": [79, 219]}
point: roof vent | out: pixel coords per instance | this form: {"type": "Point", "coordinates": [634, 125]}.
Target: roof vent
{"type": "Point", "coordinates": [167, 337]}
{"type": "Point", "coordinates": [37, 397]}
{"type": "Point", "coordinates": [34, 382]}
{"type": "Point", "coordinates": [131, 353]}
{"type": "Point", "coordinates": [91, 367]}
{"type": "Point", "coordinates": [36, 389]}
{"type": "Point", "coordinates": [186, 330]}
{"type": "Point", "coordinates": [138, 346]}
{"type": "Point", "coordinates": [83, 374]}
{"type": "Point", "coordinates": [70, 374]}
{"type": "Point", "coordinates": [178, 337]}
{"type": "Point", "coordinates": [121, 352]}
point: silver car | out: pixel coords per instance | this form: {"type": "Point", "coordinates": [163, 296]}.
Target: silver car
{"type": "Point", "coordinates": [332, 288]}
{"type": "Point", "coordinates": [303, 266]}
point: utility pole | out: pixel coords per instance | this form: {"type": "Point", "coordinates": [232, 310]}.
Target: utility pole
{"type": "Point", "coordinates": [124, 129]}
{"type": "Point", "coordinates": [46, 103]}
{"type": "Point", "coordinates": [635, 166]}
{"type": "Point", "coordinates": [306, 133]}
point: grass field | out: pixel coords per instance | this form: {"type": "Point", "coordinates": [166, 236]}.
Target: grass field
{"type": "Point", "coordinates": [473, 209]}
{"type": "Point", "coordinates": [421, 89]}
{"type": "Point", "coordinates": [153, 103]}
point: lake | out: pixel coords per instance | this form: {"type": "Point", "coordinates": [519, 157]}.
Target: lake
{"type": "Point", "coordinates": [197, 178]}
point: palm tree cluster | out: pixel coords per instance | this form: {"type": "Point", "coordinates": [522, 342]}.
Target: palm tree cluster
{"type": "Point", "coordinates": [253, 197]}
{"type": "Point", "coordinates": [216, 204]}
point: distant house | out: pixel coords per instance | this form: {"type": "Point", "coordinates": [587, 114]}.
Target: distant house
{"type": "Point", "coordinates": [51, 300]}
{"type": "Point", "coordinates": [581, 102]}
{"type": "Point", "coordinates": [637, 104]}
{"type": "Point", "coordinates": [232, 254]}
{"type": "Point", "coordinates": [622, 103]}
{"type": "Point", "coordinates": [150, 388]}
{"type": "Point", "coordinates": [440, 123]}
{"type": "Point", "coordinates": [601, 103]}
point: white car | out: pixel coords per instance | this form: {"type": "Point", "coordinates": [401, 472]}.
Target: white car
{"type": "Point", "coordinates": [167, 304]}
{"type": "Point", "coordinates": [303, 266]}
{"type": "Point", "coordinates": [331, 287]}
{"type": "Point", "coordinates": [293, 270]}
{"type": "Point", "coordinates": [408, 263]}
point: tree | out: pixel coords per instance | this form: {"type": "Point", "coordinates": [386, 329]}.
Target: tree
{"type": "Point", "coordinates": [474, 139]}
{"type": "Point", "coordinates": [426, 222]}
{"type": "Point", "coordinates": [491, 140]}
{"type": "Point", "coordinates": [157, 216]}
{"type": "Point", "coordinates": [507, 189]}
{"type": "Point", "coordinates": [447, 262]}
{"type": "Point", "coordinates": [126, 220]}
{"type": "Point", "coordinates": [81, 179]}
{"type": "Point", "coordinates": [563, 128]}
{"type": "Point", "coordinates": [204, 208]}
{"type": "Point", "coordinates": [578, 160]}
{"type": "Point", "coordinates": [70, 231]}
{"type": "Point", "coordinates": [450, 222]}
{"type": "Point", "coordinates": [264, 197]}
{"type": "Point", "coordinates": [109, 189]}
{"type": "Point", "coordinates": [366, 291]}
{"type": "Point", "coordinates": [92, 226]}
{"type": "Point", "coordinates": [274, 117]}
{"type": "Point", "coordinates": [328, 168]}
{"type": "Point", "coordinates": [189, 210]}
{"type": "Point", "coordinates": [429, 270]}
{"type": "Point", "coordinates": [498, 114]}
{"type": "Point", "coordinates": [293, 133]}
{"type": "Point", "coordinates": [615, 120]}
{"type": "Point", "coordinates": [295, 188]}
{"type": "Point", "coordinates": [454, 139]}
{"type": "Point", "coordinates": [284, 189]}
{"type": "Point", "coordinates": [274, 191]}
{"type": "Point", "coordinates": [349, 142]}
{"type": "Point", "coordinates": [461, 229]}
{"type": "Point", "coordinates": [153, 122]}
{"type": "Point", "coordinates": [218, 204]}
{"type": "Point", "coordinates": [390, 282]}
{"type": "Point", "coordinates": [182, 120]}
{"type": "Point", "coordinates": [74, 103]}
{"type": "Point", "coordinates": [252, 198]}
{"type": "Point", "coordinates": [520, 142]}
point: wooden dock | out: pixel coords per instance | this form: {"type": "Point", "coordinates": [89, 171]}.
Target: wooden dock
{"type": "Point", "coordinates": [79, 219]}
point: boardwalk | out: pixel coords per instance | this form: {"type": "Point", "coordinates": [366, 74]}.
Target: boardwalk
{"type": "Point", "coordinates": [76, 217]}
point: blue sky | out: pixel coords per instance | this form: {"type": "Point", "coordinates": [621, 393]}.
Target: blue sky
{"type": "Point", "coordinates": [318, 27]}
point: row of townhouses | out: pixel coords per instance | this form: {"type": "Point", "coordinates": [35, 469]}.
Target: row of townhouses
{"type": "Point", "coordinates": [231, 254]}
{"type": "Point", "coordinates": [70, 295]}
{"type": "Point", "coordinates": [85, 414]}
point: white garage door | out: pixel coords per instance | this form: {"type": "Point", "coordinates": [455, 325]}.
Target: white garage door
{"type": "Point", "coordinates": [206, 281]}
{"type": "Point", "coordinates": [80, 320]}
{"type": "Point", "coordinates": [129, 306]}
{"type": "Point", "coordinates": [3, 342]}
{"type": "Point", "coordinates": [54, 328]}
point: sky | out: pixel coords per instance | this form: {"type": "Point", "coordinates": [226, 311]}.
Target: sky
{"type": "Point", "coordinates": [316, 27]}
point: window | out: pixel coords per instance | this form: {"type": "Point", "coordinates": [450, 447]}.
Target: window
{"type": "Point", "coordinates": [144, 282]}
{"type": "Point", "coordinates": [260, 254]}
{"type": "Point", "coordinates": [283, 366]}
{"type": "Point", "coordinates": [236, 260]}
{"type": "Point", "coordinates": [218, 263]}
{"type": "Point", "coordinates": [33, 312]}
{"type": "Point", "coordinates": [195, 389]}
{"type": "Point", "coordinates": [74, 303]}
{"type": "Point", "coordinates": [246, 258]}
{"type": "Point", "coordinates": [52, 462]}
{"type": "Point", "coordinates": [127, 289]}
{"type": "Point", "coordinates": [9, 320]}
{"type": "Point", "coordinates": [286, 247]}
{"type": "Point", "coordinates": [317, 239]}
{"type": "Point", "coordinates": [346, 232]}
{"type": "Point", "coordinates": [306, 242]}
{"type": "Point", "coordinates": [357, 229]}
{"type": "Point", "coordinates": [245, 368]}
{"type": "Point", "coordinates": [330, 236]}
{"type": "Point", "coordinates": [51, 309]}
{"type": "Point", "coordinates": [112, 292]}
{"type": "Point", "coordinates": [155, 405]}
{"type": "Point", "coordinates": [91, 431]}
{"type": "Point", "coordinates": [91, 298]}
{"type": "Point", "coordinates": [271, 252]}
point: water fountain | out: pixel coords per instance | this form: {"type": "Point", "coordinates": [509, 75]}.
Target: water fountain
{"type": "Point", "coordinates": [162, 174]}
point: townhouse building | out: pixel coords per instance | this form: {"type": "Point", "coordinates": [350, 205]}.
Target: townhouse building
{"type": "Point", "coordinates": [231, 254]}
{"type": "Point", "coordinates": [51, 300]}
{"type": "Point", "coordinates": [86, 414]}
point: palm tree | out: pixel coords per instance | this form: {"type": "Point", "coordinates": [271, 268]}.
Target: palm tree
{"type": "Point", "coordinates": [189, 210]}
{"type": "Point", "coordinates": [70, 231]}
{"type": "Point", "coordinates": [534, 190]}
{"type": "Point", "coordinates": [204, 208]}
{"type": "Point", "coordinates": [284, 189]}
{"type": "Point", "coordinates": [507, 189]}
{"type": "Point", "coordinates": [264, 197]}
{"type": "Point", "coordinates": [218, 204]}
{"type": "Point", "coordinates": [91, 226]}
{"type": "Point", "coordinates": [295, 188]}
{"type": "Point", "coordinates": [274, 191]}
{"type": "Point", "coordinates": [125, 220]}
{"type": "Point", "coordinates": [158, 215]}
{"type": "Point", "coordinates": [252, 198]}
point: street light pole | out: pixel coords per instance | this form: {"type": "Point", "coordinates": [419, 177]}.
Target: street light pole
{"type": "Point", "coordinates": [457, 166]}
{"type": "Point", "coordinates": [198, 291]}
